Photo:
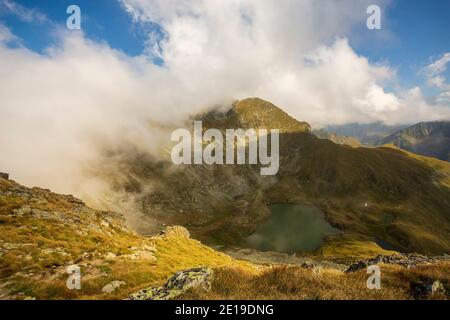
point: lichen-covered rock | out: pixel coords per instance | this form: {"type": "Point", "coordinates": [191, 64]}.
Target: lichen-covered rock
{"type": "Point", "coordinates": [22, 211]}
{"type": "Point", "coordinates": [174, 231]}
{"type": "Point", "coordinates": [437, 288]}
{"type": "Point", "coordinates": [425, 288]}
{"type": "Point", "coordinates": [179, 283]}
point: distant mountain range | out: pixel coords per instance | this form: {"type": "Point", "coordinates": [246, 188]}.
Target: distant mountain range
{"type": "Point", "coordinates": [368, 134]}
{"type": "Point", "coordinates": [425, 138]}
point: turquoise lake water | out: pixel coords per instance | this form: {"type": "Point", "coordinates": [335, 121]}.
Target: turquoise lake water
{"type": "Point", "coordinates": [291, 228]}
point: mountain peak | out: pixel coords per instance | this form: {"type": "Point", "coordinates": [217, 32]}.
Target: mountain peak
{"type": "Point", "coordinates": [256, 113]}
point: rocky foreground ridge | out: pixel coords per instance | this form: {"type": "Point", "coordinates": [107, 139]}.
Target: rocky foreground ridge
{"type": "Point", "coordinates": [43, 233]}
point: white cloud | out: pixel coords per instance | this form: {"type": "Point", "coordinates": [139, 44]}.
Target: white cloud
{"type": "Point", "coordinates": [439, 82]}
{"type": "Point", "coordinates": [23, 13]}
{"type": "Point", "coordinates": [6, 34]}
{"type": "Point", "coordinates": [440, 65]}
{"type": "Point", "coordinates": [335, 86]}
{"type": "Point", "coordinates": [56, 106]}
{"type": "Point", "coordinates": [434, 71]}
{"type": "Point", "coordinates": [443, 98]}
{"type": "Point", "coordinates": [415, 108]}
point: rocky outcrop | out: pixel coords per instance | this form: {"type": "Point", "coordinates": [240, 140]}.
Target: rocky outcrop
{"type": "Point", "coordinates": [178, 284]}
{"type": "Point", "coordinates": [406, 260]}
{"type": "Point", "coordinates": [4, 175]}
{"type": "Point", "coordinates": [145, 252]}
{"type": "Point", "coordinates": [174, 231]}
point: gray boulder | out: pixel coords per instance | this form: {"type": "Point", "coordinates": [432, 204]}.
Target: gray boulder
{"type": "Point", "coordinates": [427, 288]}
{"type": "Point", "coordinates": [436, 288]}
{"type": "Point", "coordinates": [174, 231]}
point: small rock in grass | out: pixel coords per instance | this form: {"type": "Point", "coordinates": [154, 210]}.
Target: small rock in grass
{"type": "Point", "coordinates": [110, 256]}
{"type": "Point", "coordinates": [111, 287]}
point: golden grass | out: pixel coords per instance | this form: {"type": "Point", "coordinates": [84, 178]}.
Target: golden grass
{"type": "Point", "coordinates": [296, 283]}
{"type": "Point", "coordinates": [346, 247]}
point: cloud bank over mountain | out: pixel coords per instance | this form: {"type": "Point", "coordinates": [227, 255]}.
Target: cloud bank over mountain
{"type": "Point", "coordinates": [58, 105]}
{"type": "Point", "coordinates": [435, 76]}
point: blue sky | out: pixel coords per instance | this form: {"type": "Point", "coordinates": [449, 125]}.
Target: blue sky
{"type": "Point", "coordinates": [417, 31]}
{"type": "Point", "coordinates": [102, 20]}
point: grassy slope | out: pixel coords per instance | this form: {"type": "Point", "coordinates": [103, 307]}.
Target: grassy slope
{"type": "Point", "coordinates": [440, 166]}
{"type": "Point", "coordinates": [348, 248]}
{"type": "Point", "coordinates": [57, 231]}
